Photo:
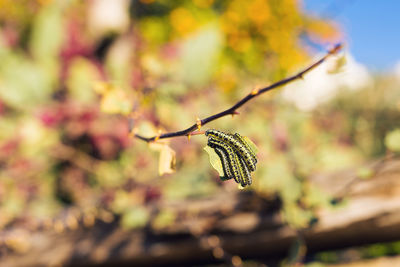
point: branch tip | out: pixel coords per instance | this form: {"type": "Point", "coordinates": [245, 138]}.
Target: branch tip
{"type": "Point", "coordinates": [336, 49]}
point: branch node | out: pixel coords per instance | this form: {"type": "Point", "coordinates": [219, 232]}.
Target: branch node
{"type": "Point", "coordinates": [158, 136]}
{"type": "Point", "coordinates": [255, 91]}
{"type": "Point", "coordinates": [198, 123]}
{"type": "Point", "coordinates": [235, 113]}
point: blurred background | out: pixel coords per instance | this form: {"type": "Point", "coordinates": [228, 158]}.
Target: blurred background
{"type": "Point", "coordinates": [79, 78]}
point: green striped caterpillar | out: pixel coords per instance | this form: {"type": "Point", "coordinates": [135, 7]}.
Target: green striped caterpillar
{"type": "Point", "coordinates": [246, 173]}
{"type": "Point", "coordinates": [243, 141]}
{"type": "Point", "coordinates": [238, 144]}
{"type": "Point", "coordinates": [225, 163]}
{"type": "Point", "coordinates": [237, 157]}
{"type": "Point", "coordinates": [232, 165]}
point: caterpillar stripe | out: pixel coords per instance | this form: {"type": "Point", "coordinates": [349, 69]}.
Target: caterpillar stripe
{"type": "Point", "coordinates": [225, 163]}
{"type": "Point", "coordinates": [246, 173]}
{"type": "Point", "coordinates": [242, 175]}
{"type": "Point", "coordinates": [237, 145]}
{"type": "Point", "coordinates": [234, 164]}
{"type": "Point", "coordinates": [241, 140]}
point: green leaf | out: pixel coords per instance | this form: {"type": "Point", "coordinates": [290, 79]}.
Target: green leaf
{"type": "Point", "coordinates": [23, 84]}
{"type": "Point", "coordinates": [135, 217]}
{"type": "Point", "coordinates": [295, 216]}
{"type": "Point", "coordinates": [215, 161]}
{"type": "Point", "coordinates": [338, 64]}
{"type": "Point", "coordinates": [365, 173]}
{"type": "Point", "coordinates": [109, 174]}
{"type": "Point", "coordinates": [315, 197]}
{"type": "Point", "coordinates": [47, 33]}
{"type": "Point", "coordinates": [200, 54]}
{"type": "Point", "coordinates": [121, 202]}
{"type": "Point", "coordinates": [392, 140]}
{"type": "Point", "coordinates": [115, 100]}
{"type": "Point", "coordinates": [164, 219]}
{"type": "Point", "coordinates": [251, 144]}
{"type": "Point", "coordinates": [80, 79]}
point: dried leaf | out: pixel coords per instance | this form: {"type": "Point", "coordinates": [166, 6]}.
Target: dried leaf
{"type": "Point", "coordinates": [336, 64]}
{"type": "Point", "coordinates": [167, 159]}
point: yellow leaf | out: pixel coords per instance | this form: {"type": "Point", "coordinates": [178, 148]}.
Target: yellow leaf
{"type": "Point", "coordinates": [116, 102]}
{"type": "Point", "coordinates": [392, 140]}
{"type": "Point", "coordinates": [167, 159]}
{"type": "Point", "coordinates": [101, 87]}
{"type": "Point", "coordinates": [135, 217]}
{"type": "Point", "coordinates": [250, 144]}
{"type": "Point", "coordinates": [337, 64]}
{"type": "Point", "coordinates": [215, 161]}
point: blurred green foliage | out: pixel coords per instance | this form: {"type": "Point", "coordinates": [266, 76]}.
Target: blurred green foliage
{"type": "Point", "coordinates": [72, 76]}
{"type": "Point", "coordinates": [356, 253]}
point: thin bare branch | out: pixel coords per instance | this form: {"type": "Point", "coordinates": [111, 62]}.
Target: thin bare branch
{"type": "Point", "coordinates": [244, 100]}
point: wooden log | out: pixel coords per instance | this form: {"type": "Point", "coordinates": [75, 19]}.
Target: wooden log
{"type": "Point", "coordinates": [243, 224]}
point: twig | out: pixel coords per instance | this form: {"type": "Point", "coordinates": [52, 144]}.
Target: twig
{"type": "Point", "coordinates": [251, 95]}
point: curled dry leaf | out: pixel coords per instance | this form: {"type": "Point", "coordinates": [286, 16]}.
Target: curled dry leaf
{"type": "Point", "coordinates": [167, 159]}
{"type": "Point", "coordinates": [336, 63]}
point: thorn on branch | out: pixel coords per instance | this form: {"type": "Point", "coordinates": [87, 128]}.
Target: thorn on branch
{"type": "Point", "coordinates": [198, 122]}
{"type": "Point", "coordinates": [158, 136]}
{"type": "Point", "coordinates": [255, 91]}
{"type": "Point", "coordinates": [235, 113]}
